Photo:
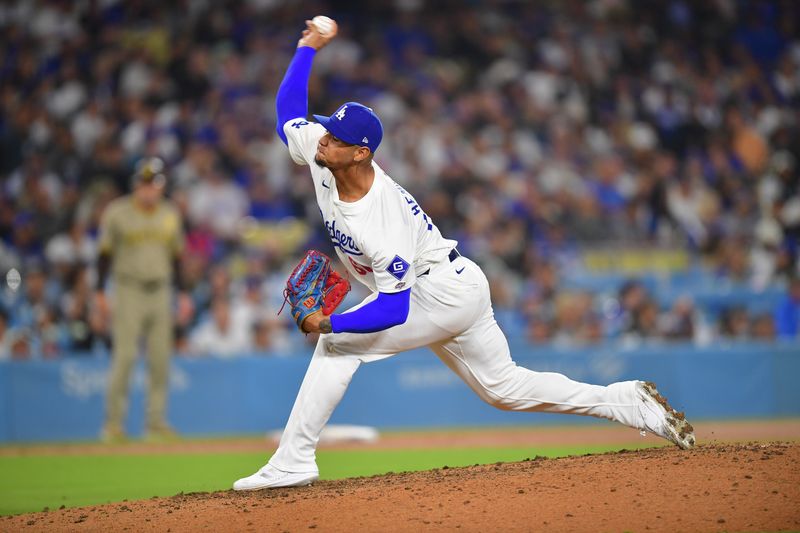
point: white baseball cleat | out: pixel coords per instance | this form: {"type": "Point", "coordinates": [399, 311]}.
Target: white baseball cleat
{"type": "Point", "coordinates": [659, 418]}
{"type": "Point", "coordinates": [269, 477]}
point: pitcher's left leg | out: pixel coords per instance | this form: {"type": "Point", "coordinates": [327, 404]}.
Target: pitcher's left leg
{"type": "Point", "coordinates": [324, 385]}
{"type": "Point", "coordinates": [336, 358]}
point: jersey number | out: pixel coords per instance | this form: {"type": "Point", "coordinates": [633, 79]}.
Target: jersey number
{"type": "Point", "coordinates": [361, 269]}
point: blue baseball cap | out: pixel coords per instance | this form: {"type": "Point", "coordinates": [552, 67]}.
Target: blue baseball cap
{"type": "Point", "coordinates": [354, 123]}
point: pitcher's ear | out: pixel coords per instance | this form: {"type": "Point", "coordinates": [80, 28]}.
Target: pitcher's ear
{"type": "Point", "coordinates": [361, 153]}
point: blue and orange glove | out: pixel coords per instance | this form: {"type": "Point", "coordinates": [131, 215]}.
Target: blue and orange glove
{"type": "Point", "coordinates": [314, 286]}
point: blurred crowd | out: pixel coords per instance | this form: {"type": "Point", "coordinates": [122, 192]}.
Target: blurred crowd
{"type": "Point", "coordinates": [529, 132]}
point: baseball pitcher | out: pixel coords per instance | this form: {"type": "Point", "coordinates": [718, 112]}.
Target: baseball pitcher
{"type": "Point", "coordinates": [424, 293]}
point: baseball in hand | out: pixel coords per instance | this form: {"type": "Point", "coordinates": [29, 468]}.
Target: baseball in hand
{"type": "Point", "coordinates": [325, 25]}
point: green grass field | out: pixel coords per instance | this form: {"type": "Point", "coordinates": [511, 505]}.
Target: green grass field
{"type": "Point", "coordinates": [32, 482]}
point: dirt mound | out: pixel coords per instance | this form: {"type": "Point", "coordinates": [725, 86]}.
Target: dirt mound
{"type": "Point", "coordinates": [711, 488]}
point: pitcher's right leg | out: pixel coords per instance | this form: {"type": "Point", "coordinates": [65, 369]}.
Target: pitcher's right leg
{"type": "Point", "coordinates": [481, 357]}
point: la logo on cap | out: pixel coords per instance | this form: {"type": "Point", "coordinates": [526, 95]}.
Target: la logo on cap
{"type": "Point", "coordinates": [340, 113]}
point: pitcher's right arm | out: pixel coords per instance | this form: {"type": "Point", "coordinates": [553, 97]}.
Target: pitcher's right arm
{"type": "Point", "coordinates": [291, 101]}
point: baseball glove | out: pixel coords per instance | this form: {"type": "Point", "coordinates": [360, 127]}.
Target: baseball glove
{"type": "Point", "coordinates": [314, 286]}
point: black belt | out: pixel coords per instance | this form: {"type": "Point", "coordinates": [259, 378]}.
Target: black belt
{"type": "Point", "coordinates": [452, 256]}
{"type": "Point", "coordinates": [145, 285]}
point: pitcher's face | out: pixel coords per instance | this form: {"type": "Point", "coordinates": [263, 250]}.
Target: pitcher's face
{"type": "Point", "coordinates": [334, 153]}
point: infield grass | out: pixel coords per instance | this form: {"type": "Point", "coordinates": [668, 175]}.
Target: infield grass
{"type": "Point", "coordinates": [29, 483]}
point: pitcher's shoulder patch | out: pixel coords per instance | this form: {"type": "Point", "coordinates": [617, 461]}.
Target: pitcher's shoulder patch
{"type": "Point", "coordinates": [398, 267]}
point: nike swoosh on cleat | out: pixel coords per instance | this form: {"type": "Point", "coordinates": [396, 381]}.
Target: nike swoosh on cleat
{"type": "Point", "coordinates": [460, 270]}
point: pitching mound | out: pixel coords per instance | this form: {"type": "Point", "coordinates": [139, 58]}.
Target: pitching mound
{"type": "Point", "coordinates": [711, 488]}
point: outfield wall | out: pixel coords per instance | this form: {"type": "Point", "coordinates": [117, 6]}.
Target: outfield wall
{"type": "Point", "coordinates": [63, 400]}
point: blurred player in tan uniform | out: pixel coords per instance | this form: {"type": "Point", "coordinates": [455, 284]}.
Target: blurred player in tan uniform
{"type": "Point", "coordinates": [140, 241]}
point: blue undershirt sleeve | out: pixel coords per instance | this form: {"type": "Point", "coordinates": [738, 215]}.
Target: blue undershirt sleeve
{"type": "Point", "coordinates": [292, 98]}
{"type": "Point", "coordinates": [385, 311]}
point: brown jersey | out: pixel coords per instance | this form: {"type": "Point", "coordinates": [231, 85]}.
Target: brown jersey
{"type": "Point", "coordinates": [142, 243]}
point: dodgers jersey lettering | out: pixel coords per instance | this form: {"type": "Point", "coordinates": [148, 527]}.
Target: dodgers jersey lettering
{"type": "Point", "coordinates": [384, 239]}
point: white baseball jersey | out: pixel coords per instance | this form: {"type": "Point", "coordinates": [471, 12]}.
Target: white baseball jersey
{"type": "Point", "coordinates": [384, 239]}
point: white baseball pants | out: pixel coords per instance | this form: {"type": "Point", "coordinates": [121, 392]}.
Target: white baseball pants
{"type": "Point", "coordinates": [451, 313]}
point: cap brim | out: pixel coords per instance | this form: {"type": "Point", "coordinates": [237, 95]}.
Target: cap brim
{"type": "Point", "coordinates": [333, 127]}
{"type": "Point", "coordinates": [159, 180]}
{"type": "Point", "coordinates": [325, 121]}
